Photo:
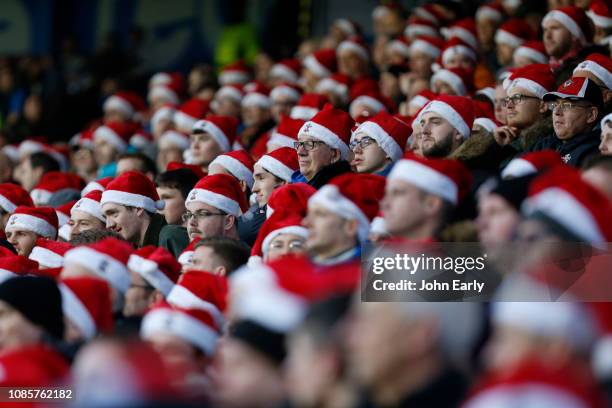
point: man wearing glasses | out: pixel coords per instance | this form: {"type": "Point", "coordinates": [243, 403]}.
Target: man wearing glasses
{"type": "Point", "coordinates": [576, 108]}
{"type": "Point", "coordinates": [322, 147]}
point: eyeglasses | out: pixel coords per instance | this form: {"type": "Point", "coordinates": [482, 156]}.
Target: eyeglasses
{"type": "Point", "coordinates": [565, 105]}
{"type": "Point", "coordinates": [307, 145]}
{"type": "Point", "coordinates": [294, 245]}
{"type": "Point", "coordinates": [363, 143]}
{"type": "Point", "coordinates": [516, 99]}
{"type": "Point", "coordinates": [199, 215]}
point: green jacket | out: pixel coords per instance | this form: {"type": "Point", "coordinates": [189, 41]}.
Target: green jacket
{"type": "Point", "coordinates": [174, 238]}
{"type": "Point", "coordinates": [152, 235]}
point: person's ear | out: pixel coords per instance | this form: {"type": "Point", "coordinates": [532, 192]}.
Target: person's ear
{"type": "Point", "coordinates": [228, 222]}
{"type": "Point", "coordinates": [432, 204]}
{"type": "Point", "coordinates": [593, 115]}
{"type": "Point", "coordinates": [543, 107]}
{"type": "Point", "coordinates": [243, 185]}
{"type": "Point", "coordinates": [140, 212]}
{"type": "Point", "coordinates": [351, 227]}
{"type": "Point", "coordinates": [457, 137]}
{"type": "Point", "coordinates": [335, 155]}
{"type": "Point", "coordinates": [220, 270]}
{"type": "Point", "coordinates": [155, 297]}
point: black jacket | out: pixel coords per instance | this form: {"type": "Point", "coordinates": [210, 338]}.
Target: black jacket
{"type": "Point", "coordinates": [152, 235]}
{"type": "Point", "coordinates": [250, 223]}
{"type": "Point", "coordinates": [574, 150]}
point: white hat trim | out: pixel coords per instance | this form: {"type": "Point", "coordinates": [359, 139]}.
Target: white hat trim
{"type": "Point", "coordinates": [450, 114]}
{"type": "Point", "coordinates": [234, 166]}
{"type": "Point", "coordinates": [77, 312]}
{"type": "Point", "coordinates": [214, 131]}
{"type": "Point", "coordinates": [182, 297]}
{"type": "Point", "coordinates": [450, 78]}
{"type": "Point", "coordinates": [31, 223]}
{"type": "Point", "coordinates": [131, 199]}
{"type": "Point", "coordinates": [425, 178]}
{"type": "Point", "coordinates": [47, 258]}
{"type": "Point", "coordinates": [104, 266]}
{"type": "Point", "coordinates": [384, 140]}
{"type": "Point", "coordinates": [517, 168]}
{"type": "Point", "coordinates": [120, 104]}
{"type": "Point", "coordinates": [291, 229]}
{"type": "Point", "coordinates": [276, 167]}
{"type": "Point", "coordinates": [504, 37]}
{"type": "Point", "coordinates": [150, 272]}
{"type": "Point", "coordinates": [107, 134]}
{"type": "Point", "coordinates": [567, 22]}
{"type": "Point", "coordinates": [216, 200]}
{"type": "Point", "coordinates": [89, 206]}
{"type": "Point", "coordinates": [322, 133]}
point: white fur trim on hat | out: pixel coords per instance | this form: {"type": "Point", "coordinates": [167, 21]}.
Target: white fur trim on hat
{"type": "Point", "coordinates": [182, 297]}
{"type": "Point", "coordinates": [229, 92]}
{"type": "Point", "coordinates": [284, 91]}
{"type": "Point", "coordinates": [233, 77]}
{"type": "Point", "coordinates": [183, 121]}
{"type": "Point", "coordinates": [415, 30]}
{"type": "Point", "coordinates": [325, 135]}
{"type": "Point", "coordinates": [238, 170]}
{"type": "Point", "coordinates": [163, 92]}
{"type": "Point", "coordinates": [107, 134]}
{"type": "Point", "coordinates": [606, 119]}
{"type": "Point", "coordinates": [368, 101]}
{"type": "Point", "coordinates": [601, 360]}
{"type": "Point", "coordinates": [4, 275]}
{"type": "Point", "coordinates": [384, 140]}
{"type": "Point", "coordinates": [276, 167]}
{"type": "Point", "coordinates": [354, 47]}
{"type": "Point", "coordinates": [284, 72]}
{"type": "Point", "coordinates": [532, 394]}
{"type": "Point", "coordinates": [489, 13]}
{"type": "Point", "coordinates": [214, 131]}
{"type": "Point", "coordinates": [459, 32]}
{"type": "Point", "coordinates": [504, 37]}
{"type": "Point", "coordinates": [458, 49]}
{"type": "Point", "coordinates": [132, 200]}
{"type": "Point", "coordinates": [532, 54]}
{"type": "Point", "coordinates": [451, 115]}
{"type": "Point", "coordinates": [346, 26]}
{"type": "Point", "coordinates": [292, 229]}
{"type": "Point", "coordinates": [567, 22]}
{"type": "Point", "coordinates": [163, 113]}
{"type": "Point", "coordinates": [256, 99]}
{"type": "Point", "coordinates": [450, 78]}
{"type": "Point", "coordinates": [76, 311]}
{"type": "Point", "coordinates": [330, 197]}
{"type": "Point", "coordinates": [89, 206]}
{"type": "Point", "coordinates": [486, 123]}
{"type": "Point", "coordinates": [62, 219]}
{"type": "Point", "coordinates": [425, 47]}
{"type": "Point", "coordinates": [517, 168]}
{"type": "Point", "coordinates": [46, 257]}
{"type": "Point", "coordinates": [174, 138]}
{"type": "Point", "coordinates": [303, 112]}
{"type": "Point", "coordinates": [599, 21]}
{"type": "Point", "coordinates": [400, 47]}
{"type": "Point", "coordinates": [168, 321]}
{"type": "Point", "coordinates": [216, 200]}
{"type": "Point", "coordinates": [330, 85]}
{"type": "Point", "coordinates": [116, 103]}
{"type": "Point", "coordinates": [418, 101]}
{"type": "Point", "coordinates": [6, 204]}
{"type": "Point", "coordinates": [104, 266]}
{"type": "Point", "coordinates": [527, 84]}
{"type": "Point", "coordinates": [64, 232]}
{"type": "Point", "coordinates": [91, 186]}
{"type": "Point", "coordinates": [316, 67]}
{"type": "Point", "coordinates": [600, 72]}
{"type": "Point", "coordinates": [425, 178]}
{"type": "Point", "coordinates": [185, 258]}
{"type": "Point", "coordinates": [31, 223]}
{"type": "Point", "coordinates": [280, 140]}
{"type": "Point", "coordinates": [150, 272]}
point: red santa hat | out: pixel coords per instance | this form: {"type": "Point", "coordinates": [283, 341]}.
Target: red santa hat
{"type": "Point", "coordinates": [282, 162]}
{"type": "Point", "coordinates": [164, 94]}
{"type": "Point", "coordinates": [418, 27]}
{"type": "Point", "coordinates": [531, 163]}
{"type": "Point", "coordinates": [49, 253]}
{"type": "Point", "coordinates": [157, 266]}
{"type": "Point", "coordinates": [96, 185]}
{"type": "Point", "coordinates": [431, 46]}
{"type": "Point", "coordinates": [90, 204]}
{"type": "Point", "coordinates": [165, 78]}
{"type": "Point", "coordinates": [535, 78]}
{"type": "Point", "coordinates": [352, 196]}
{"type": "Point", "coordinates": [600, 13]}
{"type": "Point", "coordinates": [185, 256]}
{"type": "Point", "coordinates": [117, 134]}
{"type": "Point", "coordinates": [221, 128]}
{"type": "Point", "coordinates": [348, 27]}
{"type": "Point", "coordinates": [193, 326]}
{"type": "Point", "coordinates": [174, 138]}
{"type": "Point", "coordinates": [164, 112]}
{"type": "Point", "coordinates": [487, 124]}
{"type": "Point", "coordinates": [201, 290]}
{"type": "Point", "coordinates": [56, 182]}
{"type": "Point", "coordinates": [197, 170]}
{"type": "Point", "coordinates": [13, 196]}
{"type": "Point", "coordinates": [365, 95]}
{"type": "Point", "coordinates": [233, 92]}
{"type": "Point", "coordinates": [331, 126]}
{"type": "Point", "coordinates": [445, 178]}
{"type": "Point", "coordinates": [422, 98]}
{"type": "Point", "coordinates": [235, 73]}
{"type": "Point", "coordinates": [457, 110]}
{"type": "Point", "coordinates": [355, 45]}
{"type": "Point", "coordinates": [286, 132]}
{"type": "Point", "coordinates": [133, 189]}
{"type": "Point", "coordinates": [599, 65]}
{"type": "Point", "coordinates": [337, 84]}
{"type": "Point", "coordinates": [86, 301]}
{"type": "Point", "coordinates": [294, 196]}
{"type": "Point", "coordinates": [279, 223]}
{"type": "Point", "coordinates": [322, 63]}
{"type": "Point", "coordinates": [602, 351]}
{"type": "Point", "coordinates": [461, 80]}
{"type": "Point", "coordinates": [127, 102]}
{"type": "Point", "coordinates": [514, 32]}
{"type": "Point", "coordinates": [561, 195]}
{"type": "Point", "coordinates": [189, 113]}
{"type": "Point", "coordinates": [238, 163]}
{"type": "Point", "coordinates": [107, 259]}
{"type": "Point", "coordinates": [490, 11]}
{"type": "Point", "coordinates": [221, 191]}
{"type": "Point", "coordinates": [464, 29]}
{"type": "Point", "coordinates": [456, 46]}
{"type": "Point", "coordinates": [40, 220]}
{"type": "Point", "coordinates": [257, 95]}
{"type": "Point", "coordinates": [285, 90]}
{"type": "Point", "coordinates": [141, 139]}
{"type": "Point", "coordinates": [574, 19]}
{"type": "Point", "coordinates": [390, 133]}
{"type": "Point", "coordinates": [63, 213]}
{"type": "Point", "coordinates": [432, 13]}
{"type": "Point", "coordinates": [288, 70]}
{"type": "Point", "coordinates": [533, 50]}
{"type": "Point", "coordinates": [14, 265]}
{"type": "Point", "coordinates": [308, 106]}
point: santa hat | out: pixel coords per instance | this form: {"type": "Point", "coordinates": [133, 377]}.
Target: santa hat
{"type": "Point", "coordinates": [562, 196]}
{"type": "Point", "coordinates": [185, 256]}
{"type": "Point", "coordinates": [197, 170]}
{"type": "Point", "coordinates": [15, 265]}
{"type": "Point", "coordinates": [445, 178]}
{"type": "Point", "coordinates": [390, 133]}
{"type": "Point", "coordinates": [514, 32]}
{"type": "Point", "coordinates": [599, 65]}
{"type": "Point", "coordinates": [457, 110]}
{"type": "Point", "coordinates": [286, 132]}
{"type": "Point", "coordinates": [117, 134]}
{"type": "Point", "coordinates": [86, 301]}
{"type": "Point", "coordinates": [322, 63]}
{"type": "Point", "coordinates": [457, 46]}
{"type": "Point", "coordinates": [282, 162]}
{"type": "Point", "coordinates": [141, 139]}
{"type": "Point", "coordinates": [531, 163]}
{"type": "Point", "coordinates": [337, 84]}
{"type": "Point", "coordinates": [356, 45]}
{"type": "Point", "coordinates": [164, 94]}
{"type": "Point", "coordinates": [56, 183]}
{"type": "Point", "coordinates": [235, 73]}
{"type": "Point", "coordinates": [133, 189]}
{"type": "Point", "coordinates": [221, 191]}
{"type": "Point", "coordinates": [461, 80]}
{"type": "Point", "coordinates": [189, 113]}
{"type": "Point", "coordinates": [90, 204]}
{"type": "Point", "coordinates": [431, 12]}
{"type": "Point", "coordinates": [422, 98]}
{"type": "Point", "coordinates": [233, 92]}
{"type": "Point", "coordinates": [164, 112]}
{"type": "Point", "coordinates": [464, 29]}
{"type": "Point", "coordinates": [601, 359]}
{"type": "Point", "coordinates": [107, 259]}
{"type": "Point", "coordinates": [574, 19]}
{"type": "Point", "coordinates": [533, 50]}
{"type": "Point", "coordinates": [352, 196]}
{"type": "Point", "coordinates": [126, 102]}
{"type": "Point", "coordinates": [488, 92]}
{"type": "Point", "coordinates": [49, 253]}
{"type": "Point", "coordinates": [201, 290]}
{"type": "Point", "coordinates": [487, 124]}
{"type": "Point", "coordinates": [288, 70]}
{"type": "Point", "coordinates": [238, 163]}
{"type": "Point", "coordinates": [348, 27]}
{"type": "Point", "coordinates": [294, 196]}
{"type": "Point", "coordinates": [157, 266]}
{"type": "Point", "coordinates": [600, 13]}
{"type": "Point", "coordinates": [40, 220]}
{"type": "Point", "coordinates": [193, 326]}
{"type": "Point", "coordinates": [174, 138]}
{"type": "Point", "coordinates": [308, 106]}
{"type": "Point", "coordinates": [165, 78]}
{"type": "Point", "coordinates": [13, 196]}
{"type": "Point", "coordinates": [63, 213]}
{"type": "Point", "coordinates": [221, 128]}
{"type": "Point", "coordinates": [430, 46]}
{"type": "Point", "coordinates": [535, 78]}
{"type": "Point", "coordinates": [490, 11]}
{"type": "Point", "coordinates": [169, 89]}
{"type": "Point", "coordinates": [331, 126]}
{"type": "Point", "coordinates": [420, 27]}
{"type": "Point", "coordinates": [279, 223]}
{"type": "Point", "coordinates": [96, 185]}
{"type": "Point", "coordinates": [285, 90]}
{"type": "Point", "coordinates": [257, 95]}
